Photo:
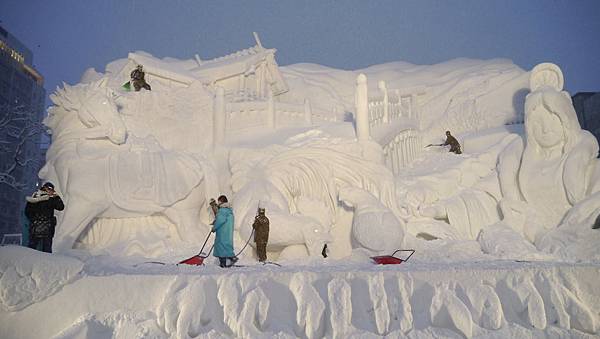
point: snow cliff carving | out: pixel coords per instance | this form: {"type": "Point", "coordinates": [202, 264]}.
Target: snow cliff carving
{"type": "Point", "coordinates": [103, 171]}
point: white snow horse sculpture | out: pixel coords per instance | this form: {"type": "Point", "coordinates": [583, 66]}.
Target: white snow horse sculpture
{"type": "Point", "coordinates": [101, 173]}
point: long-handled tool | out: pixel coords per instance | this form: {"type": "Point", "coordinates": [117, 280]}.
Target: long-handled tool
{"type": "Point", "coordinates": [198, 259]}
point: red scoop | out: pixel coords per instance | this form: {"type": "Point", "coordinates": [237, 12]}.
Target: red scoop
{"type": "Point", "coordinates": [195, 260]}
{"type": "Point", "coordinates": [391, 259]}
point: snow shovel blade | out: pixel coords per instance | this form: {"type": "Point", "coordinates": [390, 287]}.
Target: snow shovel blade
{"type": "Point", "coordinates": [195, 261]}
{"type": "Point", "coordinates": [391, 259]}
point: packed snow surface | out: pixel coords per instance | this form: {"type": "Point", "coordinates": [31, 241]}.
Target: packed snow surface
{"type": "Point", "coordinates": [505, 233]}
{"type": "Point", "coordinates": [313, 299]}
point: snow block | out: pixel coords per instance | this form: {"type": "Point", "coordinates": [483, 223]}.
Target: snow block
{"type": "Point", "coordinates": [448, 311]}
{"type": "Point", "coordinates": [563, 307]}
{"type": "Point", "coordinates": [485, 306]}
{"type": "Point", "coordinates": [340, 308]}
{"type": "Point", "coordinates": [379, 300]}
{"type": "Point", "coordinates": [522, 302]}
{"type": "Point", "coordinates": [311, 307]}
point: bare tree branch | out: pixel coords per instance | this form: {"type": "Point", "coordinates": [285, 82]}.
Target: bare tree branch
{"type": "Point", "coordinates": [20, 129]}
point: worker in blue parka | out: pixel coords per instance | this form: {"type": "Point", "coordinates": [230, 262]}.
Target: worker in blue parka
{"type": "Point", "coordinates": [223, 228]}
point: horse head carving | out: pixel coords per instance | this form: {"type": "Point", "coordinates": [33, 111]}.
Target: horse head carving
{"type": "Point", "coordinates": [94, 106]}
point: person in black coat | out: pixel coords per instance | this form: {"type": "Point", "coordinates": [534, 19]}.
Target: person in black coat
{"type": "Point", "coordinates": [137, 79]}
{"type": "Point", "coordinates": [40, 212]}
{"type": "Point", "coordinates": [454, 144]}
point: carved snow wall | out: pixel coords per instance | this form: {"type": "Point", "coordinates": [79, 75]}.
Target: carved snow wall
{"type": "Point", "coordinates": [392, 119]}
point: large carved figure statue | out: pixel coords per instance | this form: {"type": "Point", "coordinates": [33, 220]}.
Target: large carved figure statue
{"type": "Point", "coordinates": [543, 176]}
{"type": "Point", "coordinates": [104, 172]}
{"type": "Point", "coordinates": [555, 168]}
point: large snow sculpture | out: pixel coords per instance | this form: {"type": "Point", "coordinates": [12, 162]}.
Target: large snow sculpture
{"type": "Point", "coordinates": [104, 173]}
{"type": "Point", "coordinates": [558, 161]}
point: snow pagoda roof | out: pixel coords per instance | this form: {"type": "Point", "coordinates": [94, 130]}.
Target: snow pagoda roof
{"type": "Point", "coordinates": [240, 62]}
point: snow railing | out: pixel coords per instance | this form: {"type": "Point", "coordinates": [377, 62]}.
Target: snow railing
{"type": "Point", "coordinates": [387, 107]}
{"type": "Point", "coordinates": [392, 119]}
{"type": "Point", "coordinates": [405, 147]}
{"type": "Point", "coordinates": [254, 113]}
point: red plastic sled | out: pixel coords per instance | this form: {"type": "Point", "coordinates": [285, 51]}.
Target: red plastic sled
{"type": "Point", "coordinates": [196, 260]}
{"type": "Point", "coordinates": [392, 259]}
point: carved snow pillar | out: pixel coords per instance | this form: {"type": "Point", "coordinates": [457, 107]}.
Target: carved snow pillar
{"type": "Point", "coordinates": [405, 149]}
{"type": "Point", "coordinates": [258, 75]}
{"type": "Point", "coordinates": [388, 156]}
{"type": "Point", "coordinates": [401, 152]}
{"type": "Point", "coordinates": [307, 112]}
{"type": "Point", "coordinates": [417, 111]}
{"type": "Point", "coordinates": [270, 111]}
{"type": "Point", "coordinates": [406, 142]}
{"type": "Point", "coordinates": [386, 102]}
{"type": "Point", "coordinates": [241, 83]}
{"type": "Point", "coordinates": [398, 110]}
{"type": "Point", "coordinates": [409, 108]}
{"type": "Point", "coordinates": [394, 156]}
{"type": "Point", "coordinates": [219, 118]}
{"type": "Point", "coordinates": [261, 81]}
{"type": "Point", "coordinates": [361, 101]}
{"type": "Point", "coordinates": [414, 147]}
{"type": "Point", "coordinates": [411, 146]}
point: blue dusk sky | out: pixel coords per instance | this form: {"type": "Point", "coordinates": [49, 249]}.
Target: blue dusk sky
{"type": "Point", "coordinates": [67, 37]}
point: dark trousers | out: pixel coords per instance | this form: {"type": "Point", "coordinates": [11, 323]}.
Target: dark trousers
{"type": "Point", "coordinates": [261, 250]}
{"type": "Point", "coordinates": [139, 84]}
{"type": "Point", "coordinates": [44, 243]}
{"type": "Point", "coordinates": [455, 149]}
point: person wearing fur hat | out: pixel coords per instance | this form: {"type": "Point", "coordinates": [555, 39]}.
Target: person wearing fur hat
{"type": "Point", "coordinates": [40, 212]}
{"type": "Point", "coordinates": [261, 234]}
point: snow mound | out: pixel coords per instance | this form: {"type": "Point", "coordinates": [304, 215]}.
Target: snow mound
{"type": "Point", "coordinates": [28, 276]}
{"type": "Point", "coordinates": [113, 325]}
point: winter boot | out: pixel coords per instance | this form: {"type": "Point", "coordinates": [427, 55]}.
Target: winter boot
{"type": "Point", "coordinates": [233, 260]}
{"type": "Point", "coordinates": [223, 262]}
